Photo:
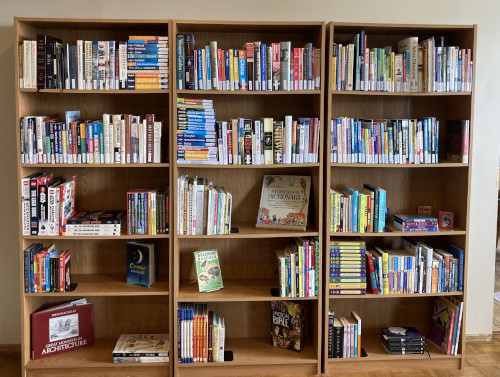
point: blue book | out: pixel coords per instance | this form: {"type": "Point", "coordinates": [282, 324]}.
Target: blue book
{"type": "Point", "coordinates": [199, 69]}
{"type": "Point", "coordinates": [243, 73]}
{"type": "Point", "coordinates": [227, 69]}
{"type": "Point", "coordinates": [144, 60]}
{"type": "Point", "coordinates": [209, 67]}
{"type": "Point", "coordinates": [354, 210]}
{"type": "Point", "coordinates": [263, 67]}
{"type": "Point", "coordinates": [460, 255]}
{"type": "Point", "coordinates": [47, 270]}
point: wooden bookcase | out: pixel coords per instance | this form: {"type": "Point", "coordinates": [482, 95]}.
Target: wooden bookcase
{"type": "Point", "coordinates": [444, 186]}
{"type": "Point", "coordinates": [247, 256]}
{"type": "Point", "coordinates": [98, 263]}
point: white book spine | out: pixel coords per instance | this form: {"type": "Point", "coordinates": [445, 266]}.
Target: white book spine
{"type": "Point", "coordinates": [27, 63]}
{"type": "Point", "coordinates": [112, 65]}
{"type": "Point", "coordinates": [288, 136]}
{"type": "Point", "coordinates": [25, 206]}
{"type": "Point", "coordinates": [224, 144]}
{"type": "Point", "coordinates": [88, 65]}
{"type": "Point", "coordinates": [80, 63]}
{"type": "Point", "coordinates": [116, 138]}
{"type": "Point", "coordinates": [157, 142]}
{"type": "Point", "coordinates": [122, 62]}
{"type": "Point", "coordinates": [257, 149]}
{"type": "Point", "coordinates": [33, 64]}
{"type": "Point", "coordinates": [106, 120]}
{"type": "Point", "coordinates": [122, 141]}
{"type": "Point", "coordinates": [141, 149]}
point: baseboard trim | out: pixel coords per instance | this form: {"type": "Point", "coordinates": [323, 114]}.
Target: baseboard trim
{"type": "Point", "coordinates": [10, 348]}
{"type": "Point", "coordinates": [479, 338]}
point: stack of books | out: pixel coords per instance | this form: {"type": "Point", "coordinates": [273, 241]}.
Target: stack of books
{"type": "Point", "coordinates": [403, 340]}
{"type": "Point", "coordinates": [344, 335]}
{"type": "Point", "coordinates": [141, 348]}
{"type": "Point", "coordinates": [147, 62]}
{"type": "Point", "coordinates": [347, 267]}
{"type": "Point", "coordinates": [415, 223]}
{"type": "Point", "coordinates": [96, 223]}
{"type": "Point", "coordinates": [147, 211]}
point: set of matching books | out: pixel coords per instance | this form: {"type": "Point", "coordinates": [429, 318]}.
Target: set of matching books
{"type": "Point", "coordinates": [116, 139]}
{"type": "Point", "coordinates": [201, 334]}
{"type": "Point", "coordinates": [347, 267]}
{"type": "Point", "coordinates": [415, 223]}
{"type": "Point", "coordinates": [147, 211]}
{"type": "Point", "coordinates": [425, 66]}
{"type": "Point", "coordinates": [384, 141]}
{"type": "Point", "coordinates": [202, 207]}
{"type": "Point", "coordinates": [46, 204]}
{"type": "Point", "coordinates": [416, 268]}
{"type": "Point", "coordinates": [140, 63]}
{"type": "Point", "coordinates": [256, 66]}
{"type": "Point", "coordinates": [141, 348]}
{"type": "Point", "coordinates": [46, 269]}
{"type": "Point", "coordinates": [358, 211]}
{"type": "Point", "coordinates": [95, 223]}
{"type": "Point", "coordinates": [344, 335]}
{"type": "Point", "coordinates": [403, 341]}
{"type": "Point", "coordinates": [298, 268]}
{"type": "Point", "coordinates": [446, 323]}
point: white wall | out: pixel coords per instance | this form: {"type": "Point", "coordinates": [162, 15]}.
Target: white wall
{"type": "Point", "coordinates": [487, 101]}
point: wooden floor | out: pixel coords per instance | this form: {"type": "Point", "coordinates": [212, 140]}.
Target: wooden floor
{"type": "Point", "coordinates": [483, 360]}
{"type": "Point", "coordinates": [496, 305]}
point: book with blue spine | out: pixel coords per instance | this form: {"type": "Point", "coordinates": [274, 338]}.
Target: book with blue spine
{"type": "Point", "coordinates": [263, 66]}
{"type": "Point", "coordinates": [354, 194]}
{"type": "Point", "coordinates": [458, 253]}
{"type": "Point", "coordinates": [141, 263]}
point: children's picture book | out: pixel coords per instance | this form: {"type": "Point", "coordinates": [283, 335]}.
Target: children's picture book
{"type": "Point", "coordinates": [141, 263]}
{"type": "Point", "coordinates": [284, 202]}
{"type": "Point", "coordinates": [287, 325]}
{"type": "Point", "coordinates": [140, 348]}
{"type": "Point", "coordinates": [208, 270]}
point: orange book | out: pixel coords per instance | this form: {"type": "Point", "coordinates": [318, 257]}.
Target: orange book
{"type": "Point", "coordinates": [434, 276]}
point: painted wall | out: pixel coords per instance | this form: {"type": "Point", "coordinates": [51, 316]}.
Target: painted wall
{"type": "Point", "coordinates": [486, 133]}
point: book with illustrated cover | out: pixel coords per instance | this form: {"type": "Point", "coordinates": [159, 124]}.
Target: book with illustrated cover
{"type": "Point", "coordinates": [141, 348]}
{"type": "Point", "coordinates": [208, 270]}
{"type": "Point", "coordinates": [141, 263]}
{"type": "Point", "coordinates": [284, 202]}
{"type": "Point", "coordinates": [97, 217]}
{"type": "Point", "coordinates": [287, 325]}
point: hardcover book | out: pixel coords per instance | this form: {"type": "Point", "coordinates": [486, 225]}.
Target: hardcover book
{"type": "Point", "coordinates": [284, 202]}
{"type": "Point", "coordinates": [62, 328]}
{"type": "Point", "coordinates": [141, 263]}
{"type": "Point", "coordinates": [140, 348]}
{"type": "Point", "coordinates": [208, 270]}
{"type": "Point", "coordinates": [287, 325]}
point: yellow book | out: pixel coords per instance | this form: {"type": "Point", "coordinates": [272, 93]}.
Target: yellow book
{"type": "Point", "coordinates": [367, 146]}
{"type": "Point", "coordinates": [362, 212]}
{"type": "Point", "coordinates": [231, 69]}
{"type": "Point", "coordinates": [301, 269]}
{"type": "Point", "coordinates": [393, 54]}
{"type": "Point", "coordinates": [347, 285]}
{"type": "Point", "coordinates": [64, 138]}
{"type": "Point", "coordinates": [370, 194]}
{"type": "Point", "coordinates": [385, 270]}
{"type": "Point", "coordinates": [334, 73]}
{"type": "Point", "coordinates": [236, 72]}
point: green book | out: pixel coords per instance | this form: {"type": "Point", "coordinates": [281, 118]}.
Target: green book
{"type": "Point", "coordinates": [208, 270]}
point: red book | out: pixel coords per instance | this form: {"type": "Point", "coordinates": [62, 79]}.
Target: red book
{"type": "Point", "coordinates": [62, 328]}
{"type": "Point", "coordinates": [65, 271]}
{"type": "Point", "coordinates": [371, 271]}
{"type": "Point", "coordinates": [296, 59]}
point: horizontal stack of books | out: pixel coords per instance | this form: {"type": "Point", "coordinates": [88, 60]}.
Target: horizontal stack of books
{"type": "Point", "coordinates": [416, 223]}
{"type": "Point", "coordinates": [141, 348]}
{"type": "Point", "coordinates": [256, 66]}
{"type": "Point", "coordinates": [347, 267]}
{"type": "Point", "coordinates": [96, 223]}
{"type": "Point", "coordinates": [403, 340]}
{"type": "Point", "coordinates": [344, 335]}
{"type": "Point", "coordinates": [147, 211]}
{"type": "Point", "coordinates": [298, 268]}
{"type": "Point", "coordinates": [147, 62]}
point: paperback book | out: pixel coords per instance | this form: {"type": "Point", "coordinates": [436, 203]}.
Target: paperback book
{"type": "Point", "coordinates": [208, 270]}
{"type": "Point", "coordinates": [141, 348]}
{"type": "Point", "coordinates": [287, 325]}
{"type": "Point", "coordinates": [141, 263]}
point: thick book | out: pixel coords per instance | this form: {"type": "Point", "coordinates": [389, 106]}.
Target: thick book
{"type": "Point", "coordinates": [97, 217]}
{"type": "Point", "coordinates": [139, 348]}
{"type": "Point", "coordinates": [287, 325]}
{"type": "Point", "coordinates": [284, 202]}
{"type": "Point", "coordinates": [141, 263]}
{"type": "Point", "coordinates": [62, 328]}
{"type": "Point", "coordinates": [208, 270]}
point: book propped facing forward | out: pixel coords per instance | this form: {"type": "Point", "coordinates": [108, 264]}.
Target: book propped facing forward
{"type": "Point", "coordinates": [287, 325]}
{"type": "Point", "coordinates": [284, 202]}
{"type": "Point", "coordinates": [141, 348]}
{"type": "Point", "coordinates": [141, 263]}
{"type": "Point", "coordinates": [208, 270]}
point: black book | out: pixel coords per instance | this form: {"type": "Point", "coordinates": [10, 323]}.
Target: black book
{"type": "Point", "coordinates": [338, 338]}
{"type": "Point", "coordinates": [406, 333]}
{"type": "Point", "coordinates": [97, 217]}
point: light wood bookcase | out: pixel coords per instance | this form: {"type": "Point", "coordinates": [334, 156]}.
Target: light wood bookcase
{"type": "Point", "coordinates": [99, 263]}
{"type": "Point", "coordinates": [444, 186]}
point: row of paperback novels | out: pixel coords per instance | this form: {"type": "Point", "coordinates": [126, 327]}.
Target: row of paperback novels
{"type": "Point", "coordinates": [256, 66]}
{"type": "Point", "coordinates": [416, 268]}
{"type": "Point", "coordinates": [347, 267]}
{"type": "Point", "coordinates": [147, 211]}
{"type": "Point", "coordinates": [95, 223]}
{"type": "Point", "coordinates": [46, 204]}
{"type": "Point", "coordinates": [139, 63]}
{"type": "Point", "coordinates": [446, 324]}
{"type": "Point", "coordinates": [358, 211]}
{"type": "Point", "coordinates": [344, 335]}
{"type": "Point", "coordinates": [425, 66]}
{"type": "Point", "coordinates": [141, 348]}
{"type": "Point", "coordinates": [200, 334]}
{"type": "Point", "coordinates": [46, 269]}
{"type": "Point", "coordinates": [203, 208]}
{"type": "Point", "coordinates": [298, 268]}
{"type": "Point", "coordinates": [116, 139]}
{"type": "Point", "coordinates": [384, 141]}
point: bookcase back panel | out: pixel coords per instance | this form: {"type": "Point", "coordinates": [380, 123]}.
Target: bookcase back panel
{"type": "Point", "coordinates": [246, 186]}
{"type": "Point", "coordinates": [394, 243]}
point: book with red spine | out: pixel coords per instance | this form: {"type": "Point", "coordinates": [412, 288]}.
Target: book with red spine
{"type": "Point", "coordinates": [371, 271]}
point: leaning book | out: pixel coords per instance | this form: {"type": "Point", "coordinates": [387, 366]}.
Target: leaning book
{"type": "Point", "coordinates": [284, 202]}
{"type": "Point", "coordinates": [141, 348]}
{"type": "Point", "coordinates": [208, 270]}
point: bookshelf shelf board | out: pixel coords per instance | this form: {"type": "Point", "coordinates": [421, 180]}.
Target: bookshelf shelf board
{"type": "Point", "coordinates": [234, 291]}
{"type": "Point", "coordinates": [84, 166]}
{"type": "Point", "coordinates": [274, 166]}
{"type": "Point", "coordinates": [248, 92]}
{"type": "Point", "coordinates": [122, 237]}
{"type": "Point", "coordinates": [394, 232]}
{"type": "Point", "coordinates": [401, 166]}
{"type": "Point", "coordinates": [100, 355]}
{"type": "Point", "coordinates": [258, 352]}
{"type": "Point", "coordinates": [399, 94]}
{"type": "Point", "coordinates": [248, 230]}
{"type": "Point", "coordinates": [109, 285]}
{"type": "Point", "coordinates": [100, 91]}
{"type": "Point", "coordinates": [413, 295]}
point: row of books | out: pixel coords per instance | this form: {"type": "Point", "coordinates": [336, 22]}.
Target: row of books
{"type": "Point", "coordinates": [425, 66]}
{"type": "Point", "coordinates": [46, 269]}
{"type": "Point", "coordinates": [344, 335]}
{"type": "Point", "coordinates": [347, 273]}
{"type": "Point", "coordinates": [200, 334]}
{"type": "Point", "coordinates": [95, 223]}
{"type": "Point", "coordinates": [116, 139]}
{"type": "Point", "coordinates": [140, 63]}
{"type": "Point", "coordinates": [46, 204]}
{"type": "Point", "coordinates": [256, 66]}
{"type": "Point", "coordinates": [147, 211]}
{"type": "Point", "coordinates": [203, 208]}
{"type": "Point", "coordinates": [446, 323]}
{"type": "Point", "coordinates": [412, 223]}
{"type": "Point", "coordinates": [141, 348]}
{"type": "Point", "coordinates": [298, 268]}
{"type": "Point", "coordinates": [358, 211]}
{"type": "Point", "coordinates": [384, 141]}
{"type": "Point", "coordinates": [403, 340]}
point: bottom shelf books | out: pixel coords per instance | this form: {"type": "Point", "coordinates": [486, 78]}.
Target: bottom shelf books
{"type": "Point", "coordinates": [344, 335]}
{"type": "Point", "coordinates": [141, 348]}
{"type": "Point", "coordinates": [403, 341]}
{"type": "Point", "coordinates": [200, 334]}
{"type": "Point", "coordinates": [287, 325]}
{"type": "Point", "coordinates": [446, 324]}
